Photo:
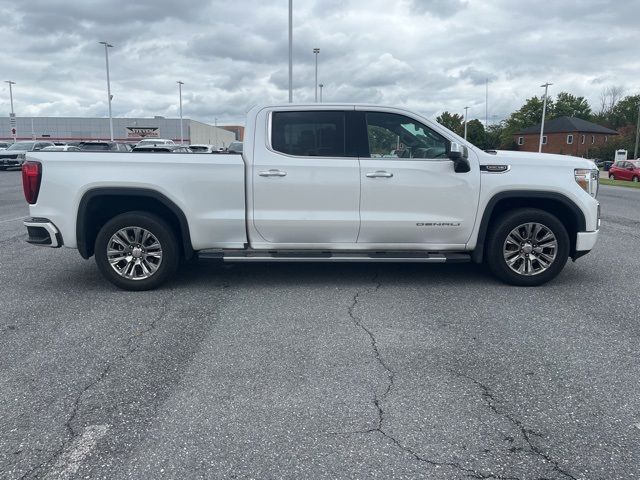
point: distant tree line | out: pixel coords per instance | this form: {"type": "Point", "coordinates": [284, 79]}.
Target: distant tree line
{"type": "Point", "coordinates": [615, 111]}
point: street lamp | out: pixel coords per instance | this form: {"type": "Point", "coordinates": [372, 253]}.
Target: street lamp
{"type": "Point", "coordinates": [321, 85]}
{"type": "Point", "coordinates": [316, 51]}
{"type": "Point", "coordinates": [180, 83]}
{"type": "Point", "coordinates": [635, 150]}
{"type": "Point", "coordinates": [290, 51]}
{"type": "Point", "coordinates": [107, 46]}
{"type": "Point", "coordinates": [544, 111]}
{"type": "Point", "coordinates": [466, 109]}
{"type": "Point", "coordinates": [13, 115]}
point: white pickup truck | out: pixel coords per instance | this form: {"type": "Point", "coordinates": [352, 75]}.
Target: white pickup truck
{"type": "Point", "coordinates": [318, 183]}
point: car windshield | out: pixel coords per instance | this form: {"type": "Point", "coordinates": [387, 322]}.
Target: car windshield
{"type": "Point", "coordinates": [95, 146]}
{"type": "Point", "coordinates": [28, 146]}
{"type": "Point", "coordinates": [198, 148]}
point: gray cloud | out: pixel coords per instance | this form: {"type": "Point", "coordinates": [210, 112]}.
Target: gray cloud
{"type": "Point", "coordinates": [430, 55]}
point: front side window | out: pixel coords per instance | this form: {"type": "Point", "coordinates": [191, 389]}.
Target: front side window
{"type": "Point", "coordinates": [397, 136]}
{"type": "Point", "coordinates": [309, 134]}
{"type": "Point", "coordinates": [569, 139]}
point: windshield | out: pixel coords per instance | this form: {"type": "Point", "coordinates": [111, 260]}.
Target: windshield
{"type": "Point", "coordinates": [28, 146]}
{"type": "Point", "coordinates": [95, 147]}
{"type": "Point", "coordinates": [198, 149]}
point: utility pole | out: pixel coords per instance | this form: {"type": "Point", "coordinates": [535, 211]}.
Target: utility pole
{"type": "Point", "coordinates": [180, 83]}
{"type": "Point", "coordinates": [316, 51]}
{"type": "Point", "coordinates": [321, 85]}
{"type": "Point", "coordinates": [544, 111]}
{"type": "Point", "coordinates": [107, 46]}
{"type": "Point", "coordinates": [486, 106]}
{"type": "Point", "coordinates": [635, 150]}
{"type": "Point", "coordinates": [290, 51]}
{"type": "Point", "coordinates": [466, 109]}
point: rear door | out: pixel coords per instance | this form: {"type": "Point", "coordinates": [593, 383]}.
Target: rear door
{"type": "Point", "coordinates": [411, 194]}
{"type": "Point", "coordinates": [306, 180]}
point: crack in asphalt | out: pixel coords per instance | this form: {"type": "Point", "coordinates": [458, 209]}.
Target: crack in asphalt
{"type": "Point", "coordinates": [525, 432]}
{"type": "Point", "coordinates": [71, 433]}
{"type": "Point", "coordinates": [379, 399]}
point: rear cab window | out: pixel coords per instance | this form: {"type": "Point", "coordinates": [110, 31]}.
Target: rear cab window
{"type": "Point", "coordinates": [309, 134]}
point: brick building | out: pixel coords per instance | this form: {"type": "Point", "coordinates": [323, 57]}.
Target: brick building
{"type": "Point", "coordinates": [564, 135]}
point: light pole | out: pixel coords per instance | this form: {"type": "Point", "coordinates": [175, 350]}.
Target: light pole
{"type": "Point", "coordinates": [321, 85]}
{"type": "Point", "coordinates": [544, 111]}
{"type": "Point", "coordinates": [13, 115]}
{"type": "Point", "coordinates": [635, 150]}
{"type": "Point", "coordinates": [290, 51]}
{"type": "Point", "coordinates": [316, 51]}
{"type": "Point", "coordinates": [466, 109]}
{"type": "Point", "coordinates": [107, 46]}
{"type": "Point", "coordinates": [180, 83]}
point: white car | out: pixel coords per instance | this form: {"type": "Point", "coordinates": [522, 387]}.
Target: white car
{"type": "Point", "coordinates": [16, 153]}
{"type": "Point", "coordinates": [202, 148]}
{"type": "Point", "coordinates": [154, 142]}
{"type": "Point", "coordinates": [312, 186]}
{"type": "Point", "coordinates": [62, 148]}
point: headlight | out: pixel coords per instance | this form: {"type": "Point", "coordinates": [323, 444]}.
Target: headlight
{"type": "Point", "coordinates": [588, 180]}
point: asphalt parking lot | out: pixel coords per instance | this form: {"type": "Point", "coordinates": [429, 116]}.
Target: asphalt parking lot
{"type": "Point", "coordinates": [320, 371]}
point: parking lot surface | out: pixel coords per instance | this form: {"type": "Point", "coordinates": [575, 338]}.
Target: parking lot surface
{"type": "Point", "coordinates": [320, 371]}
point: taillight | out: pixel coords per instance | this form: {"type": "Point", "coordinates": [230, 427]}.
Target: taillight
{"type": "Point", "coordinates": [31, 176]}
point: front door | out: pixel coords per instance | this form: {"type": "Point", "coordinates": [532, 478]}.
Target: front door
{"type": "Point", "coordinates": [411, 194]}
{"type": "Point", "coordinates": [306, 187]}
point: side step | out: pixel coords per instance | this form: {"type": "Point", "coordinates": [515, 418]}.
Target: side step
{"type": "Point", "coordinates": [325, 256]}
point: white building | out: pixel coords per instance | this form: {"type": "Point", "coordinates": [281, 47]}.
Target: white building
{"type": "Point", "coordinates": [124, 130]}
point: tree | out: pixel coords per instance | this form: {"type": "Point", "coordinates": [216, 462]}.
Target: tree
{"type": "Point", "coordinates": [493, 136]}
{"type": "Point", "coordinates": [608, 98]}
{"type": "Point", "coordinates": [475, 133]}
{"type": "Point", "coordinates": [625, 112]}
{"type": "Point", "coordinates": [568, 105]}
{"type": "Point", "coordinates": [528, 115]}
{"type": "Point", "coordinates": [452, 121]}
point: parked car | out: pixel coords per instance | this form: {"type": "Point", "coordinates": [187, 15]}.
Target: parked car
{"type": "Point", "coordinates": [625, 170]}
{"type": "Point", "coordinates": [155, 141]}
{"type": "Point", "coordinates": [310, 189]}
{"type": "Point", "coordinates": [15, 154]}
{"type": "Point", "coordinates": [201, 148]}
{"type": "Point", "coordinates": [62, 148]}
{"type": "Point", "coordinates": [98, 146]}
{"type": "Point", "coordinates": [235, 147]}
{"type": "Point", "coordinates": [162, 149]}
{"type": "Point", "coordinates": [4, 145]}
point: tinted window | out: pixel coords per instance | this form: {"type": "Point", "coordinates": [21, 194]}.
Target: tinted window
{"type": "Point", "coordinates": [309, 134]}
{"type": "Point", "coordinates": [396, 136]}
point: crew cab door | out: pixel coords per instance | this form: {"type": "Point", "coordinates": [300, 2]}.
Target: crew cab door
{"type": "Point", "coordinates": [306, 180]}
{"type": "Point", "coordinates": [410, 192]}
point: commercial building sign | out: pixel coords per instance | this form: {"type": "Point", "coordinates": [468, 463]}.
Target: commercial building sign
{"type": "Point", "coordinates": [143, 132]}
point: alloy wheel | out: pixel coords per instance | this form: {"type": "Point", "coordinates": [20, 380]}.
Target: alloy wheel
{"type": "Point", "coordinates": [134, 253]}
{"type": "Point", "coordinates": [530, 249]}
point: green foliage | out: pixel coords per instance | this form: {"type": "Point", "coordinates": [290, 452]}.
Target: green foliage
{"type": "Point", "coordinates": [567, 105]}
{"type": "Point", "coordinates": [625, 112]}
{"type": "Point", "coordinates": [381, 140]}
{"type": "Point", "coordinates": [493, 136]}
{"type": "Point", "coordinates": [475, 133]}
{"type": "Point", "coordinates": [452, 121]}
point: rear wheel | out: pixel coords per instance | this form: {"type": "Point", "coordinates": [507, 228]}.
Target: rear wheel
{"type": "Point", "coordinates": [137, 251]}
{"type": "Point", "coordinates": [527, 247]}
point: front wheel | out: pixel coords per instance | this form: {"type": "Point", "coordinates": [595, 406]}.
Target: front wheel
{"type": "Point", "coordinates": [527, 247]}
{"type": "Point", "coordinates": [137, 251]}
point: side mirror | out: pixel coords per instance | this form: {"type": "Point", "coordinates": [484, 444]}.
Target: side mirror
{"type": "Point", "coordinates": [460, 157]}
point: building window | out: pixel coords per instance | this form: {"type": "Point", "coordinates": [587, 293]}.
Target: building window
{"type": "Point", "coordinates": [569, 139]}
{"type": "Point", "coordinates": [544, 139]}
{"type": "Point", "coordinates": [606, 138]}
{"type": "Point", "coordinates": [520, 140]}
{"type": "Point", "coordinates": [593, 139]}
{"type": "Point", "coordinates": [582, 138]}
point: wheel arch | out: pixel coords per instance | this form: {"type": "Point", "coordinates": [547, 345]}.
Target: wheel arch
{"type": "Point", "coordinates": [555, 203]}
{"type": "Point", "coordinates": [99, 205]}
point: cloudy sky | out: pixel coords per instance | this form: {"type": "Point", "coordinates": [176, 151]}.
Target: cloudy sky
{"type": "Point", "coordinates": [427, 55]}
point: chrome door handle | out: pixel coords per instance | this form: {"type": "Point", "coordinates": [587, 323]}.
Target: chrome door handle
{"type": "Point", "coordinates": [273, 173]}
{"type": "Point", "coordinates": [379, 174]}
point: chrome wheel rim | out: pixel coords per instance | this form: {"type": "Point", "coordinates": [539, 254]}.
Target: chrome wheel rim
{"type": "Point", "coordinates": [530, 249]}
{"type": "Point", "coordinates": [134, 253]}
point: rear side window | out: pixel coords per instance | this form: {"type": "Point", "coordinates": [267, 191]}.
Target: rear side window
{"type": "Point", "coordinates": [309, 134]}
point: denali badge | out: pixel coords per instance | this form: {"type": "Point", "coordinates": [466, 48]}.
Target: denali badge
{"type": "Point", "coordinates": [438, 224]}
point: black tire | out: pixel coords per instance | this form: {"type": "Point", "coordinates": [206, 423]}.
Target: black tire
{"type": "Point", "coordinates": [504, 225]}
{"type": "Point", "coordinates": [166, 237]}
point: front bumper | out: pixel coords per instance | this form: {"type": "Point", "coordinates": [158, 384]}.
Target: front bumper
{"type": "Point", "coordinates": [41, 231]}
{"type": "Point", "coordinates": [585, 241]}
{"type": "Point", "coordinates": [11, 162]}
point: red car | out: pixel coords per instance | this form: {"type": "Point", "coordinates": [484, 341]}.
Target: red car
{"type": "Point", "coordinates": [625, 170]}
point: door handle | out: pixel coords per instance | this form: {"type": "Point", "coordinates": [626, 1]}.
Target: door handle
{"type": "Point", "coordinates": [379, 174]}
{"type": "Point", "coordinates": [273, 173]}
